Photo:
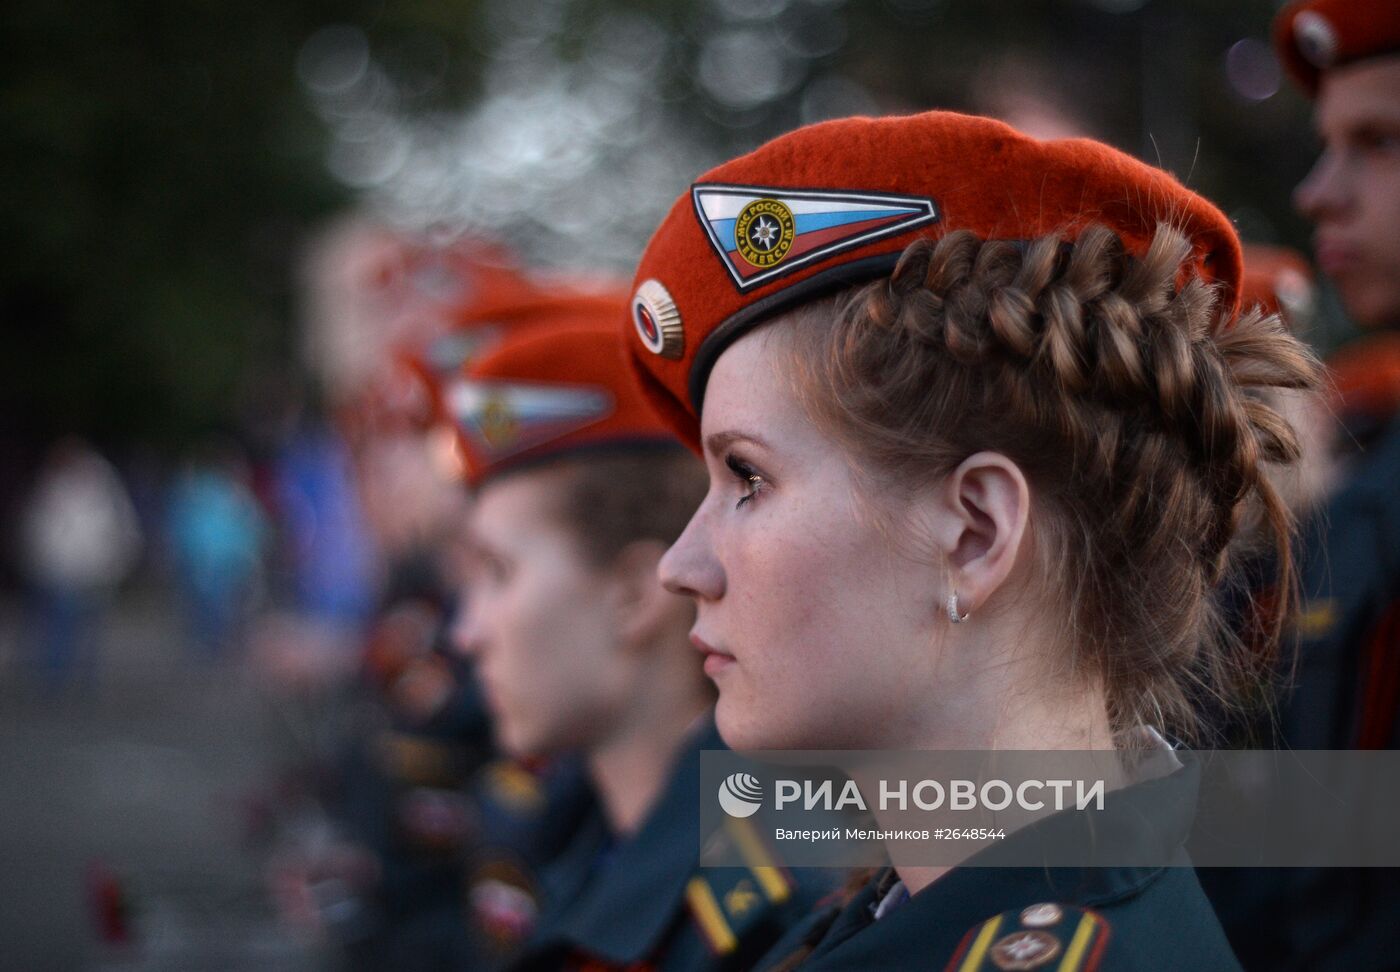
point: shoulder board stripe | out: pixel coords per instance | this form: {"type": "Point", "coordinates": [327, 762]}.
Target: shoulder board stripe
{"type": "Point", "coordinates": [1091, 931]}
{"type": "Point", "coordinates": [978, 950]}
{"type": "Point", "coordinates": [770, 877]}
{"type": "Point", "coordinates": [707, 913]}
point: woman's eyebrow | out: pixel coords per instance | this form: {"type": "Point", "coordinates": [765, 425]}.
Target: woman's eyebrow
{"type": "Point", "coordinates": [718, 442]}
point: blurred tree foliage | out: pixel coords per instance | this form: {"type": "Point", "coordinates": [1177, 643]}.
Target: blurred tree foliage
{"type": "Point", "coordinates": [161, 165]}
{"type": "Point", "coordinates": [159, 169]}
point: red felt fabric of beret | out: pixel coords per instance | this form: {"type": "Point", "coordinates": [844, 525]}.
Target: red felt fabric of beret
{"type": "Point", "coordinates": [834, 204]}
{"type": "Point", "coordinates": [1365, 375]}
{"type": "Point", "coordinates": [1314, 36]}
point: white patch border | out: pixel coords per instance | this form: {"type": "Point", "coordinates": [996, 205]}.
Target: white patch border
{"type": "Point", "coordinates": [603, 400]}
{"type": "Point", "coordinates": [930, 215]}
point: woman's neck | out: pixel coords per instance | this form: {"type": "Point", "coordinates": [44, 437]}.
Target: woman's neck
{"type": "Point", "coordinates": [631, 767]}
{"type": "Point", "coordinates": [1036, 715]}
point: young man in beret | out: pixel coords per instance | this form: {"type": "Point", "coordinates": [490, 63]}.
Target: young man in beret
{"type": "Point", "coordinates": [1345, 55]}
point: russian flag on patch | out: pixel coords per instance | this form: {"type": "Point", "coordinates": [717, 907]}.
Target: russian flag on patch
{"type": "Point", "coordinates": [761, 233]}
{"type": "Point", "coordinates": [502, 418]}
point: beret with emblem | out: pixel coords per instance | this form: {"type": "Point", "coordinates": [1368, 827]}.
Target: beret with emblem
{"type": "Point", "coordinates": [430, 365]}
{"type": "Point", "coordinates": [1314, 36]}
{"type": "Point", "coordinates": [550, 392]}
{"type": "Point", "coordinates": [834, 204]}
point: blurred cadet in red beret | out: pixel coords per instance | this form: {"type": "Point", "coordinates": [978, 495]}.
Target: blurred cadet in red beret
{"type": "Point", "coordinates": [1345, 55]}
{"type": "Point", "coordinates": [579, 489]}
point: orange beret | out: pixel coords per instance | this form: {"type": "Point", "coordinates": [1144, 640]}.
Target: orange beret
{"type": "Point", "coordinates": [432, 366]}
{"type": "Point", "coordinates": [549, 392]}
{"type": "Point", "coordinates": [1278, 279]}
{"type": "Point", "coordinates": [1366, 376]}
{"type": "Point", "coordinates": [1312, 36]}
{"type": "Point", "coordinates": [834, 204]}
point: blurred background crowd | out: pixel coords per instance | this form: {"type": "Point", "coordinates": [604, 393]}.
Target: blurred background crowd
{"type": "Point", "coordinates": [244, 247]}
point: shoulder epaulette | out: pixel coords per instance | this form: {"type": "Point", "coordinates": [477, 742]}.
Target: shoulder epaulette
{"type": "Point", "coordinates": [1054, 937]}
{"type": "Point", "coordinates": [726, 901]}
{"type": "Point", "coordinates": [512, 786]}
{"type": "Point", "coordinates": [416, 760]}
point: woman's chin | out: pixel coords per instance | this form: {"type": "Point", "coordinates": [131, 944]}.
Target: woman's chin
{"type": "Point", "coordinates": [746, 728]}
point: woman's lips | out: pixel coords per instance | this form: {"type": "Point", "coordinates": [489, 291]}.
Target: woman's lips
{"type": "Point", "coordinates": [716, 661]}
{"type": "Point", "coordinates": [1333, 257]}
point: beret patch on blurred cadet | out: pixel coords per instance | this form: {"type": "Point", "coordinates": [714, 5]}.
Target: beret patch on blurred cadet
{"type": "Point", "coordinates": [834, 204]}
{"type": "Point", "coordinates": [549, 391]}
{"type": "Point", "coordinates": [502, 418]}
{"type": "Point", "coordinates": [428, 370]}
{"type": "Point", "coordinates": [1313, 36]}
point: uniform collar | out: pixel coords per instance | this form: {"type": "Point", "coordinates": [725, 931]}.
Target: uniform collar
{"type": "Point", "coordinates": [1155, 814]}
{"type": "Point", "coordinates": [618, 909]}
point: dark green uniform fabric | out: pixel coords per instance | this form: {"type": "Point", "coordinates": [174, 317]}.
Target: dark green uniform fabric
{"type": "Point", "coordinates": [1148, 918]}
{"type": "Point", "coordinates": [629, 904]}
{"type": "Point", "coordinates": [1345, 697]}
{"type": "Point", "coordinates": [1350, 578]}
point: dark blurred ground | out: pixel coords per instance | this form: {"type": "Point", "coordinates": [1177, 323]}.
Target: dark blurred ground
{"type": "Point", "coordinates": [155, 772]}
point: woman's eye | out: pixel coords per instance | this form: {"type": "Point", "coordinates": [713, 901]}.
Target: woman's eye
{"type": "Point", "coordinates": [488, 569]}
{"type": "Point", "coordinates": [1387, 142]}
{"type": "Point", "coordinates": [750, 481]}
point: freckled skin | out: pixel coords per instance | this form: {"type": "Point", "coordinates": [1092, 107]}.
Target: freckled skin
{"type": "Point", "coordinates": [832, 628]}
{"type": "Point", "coordinates": [1352, 193]}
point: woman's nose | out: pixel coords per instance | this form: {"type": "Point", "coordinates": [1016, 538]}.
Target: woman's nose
{"type": "Point", "coordinates": [690, 567]}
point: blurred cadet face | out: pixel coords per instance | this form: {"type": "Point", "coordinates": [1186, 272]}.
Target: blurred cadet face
{"type": "Point", "coordinates": [540, 622]}
{"type": "Point", "coordinates": [1353, 192]}
{"type": "Point", "coordinates": [818, 631]}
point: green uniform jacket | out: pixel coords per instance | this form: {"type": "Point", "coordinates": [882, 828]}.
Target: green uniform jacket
{"type": "Point", "coordinates": [645, 904]}
{"type": "Point", "coordinates": [1059, 919]}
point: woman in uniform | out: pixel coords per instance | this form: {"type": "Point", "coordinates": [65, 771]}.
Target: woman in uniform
{"type": "Point", "coordinates": [978, 418]}
{"type": "Point", "coordinates": [578, 648]}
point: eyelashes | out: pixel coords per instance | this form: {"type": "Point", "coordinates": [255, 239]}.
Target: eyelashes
{"type": "Point", "coordinates": [752, 482]}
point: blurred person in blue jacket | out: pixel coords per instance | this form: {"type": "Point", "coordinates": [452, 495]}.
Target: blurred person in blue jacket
{"type": "Point", "coordinates": [216, 533]}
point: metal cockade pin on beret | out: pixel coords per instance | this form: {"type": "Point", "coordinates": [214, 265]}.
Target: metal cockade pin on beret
{"type": "Point", "coordinates": [657, 320]}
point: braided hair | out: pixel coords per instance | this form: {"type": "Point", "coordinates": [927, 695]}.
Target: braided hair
{"type": "Point", "coordinates": [1128, 400]}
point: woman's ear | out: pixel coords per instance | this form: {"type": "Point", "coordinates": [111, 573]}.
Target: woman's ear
{"type": "Point", "coordinates": [980, 514]}
{"type": "Point", "coordinates": [644, 608]}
